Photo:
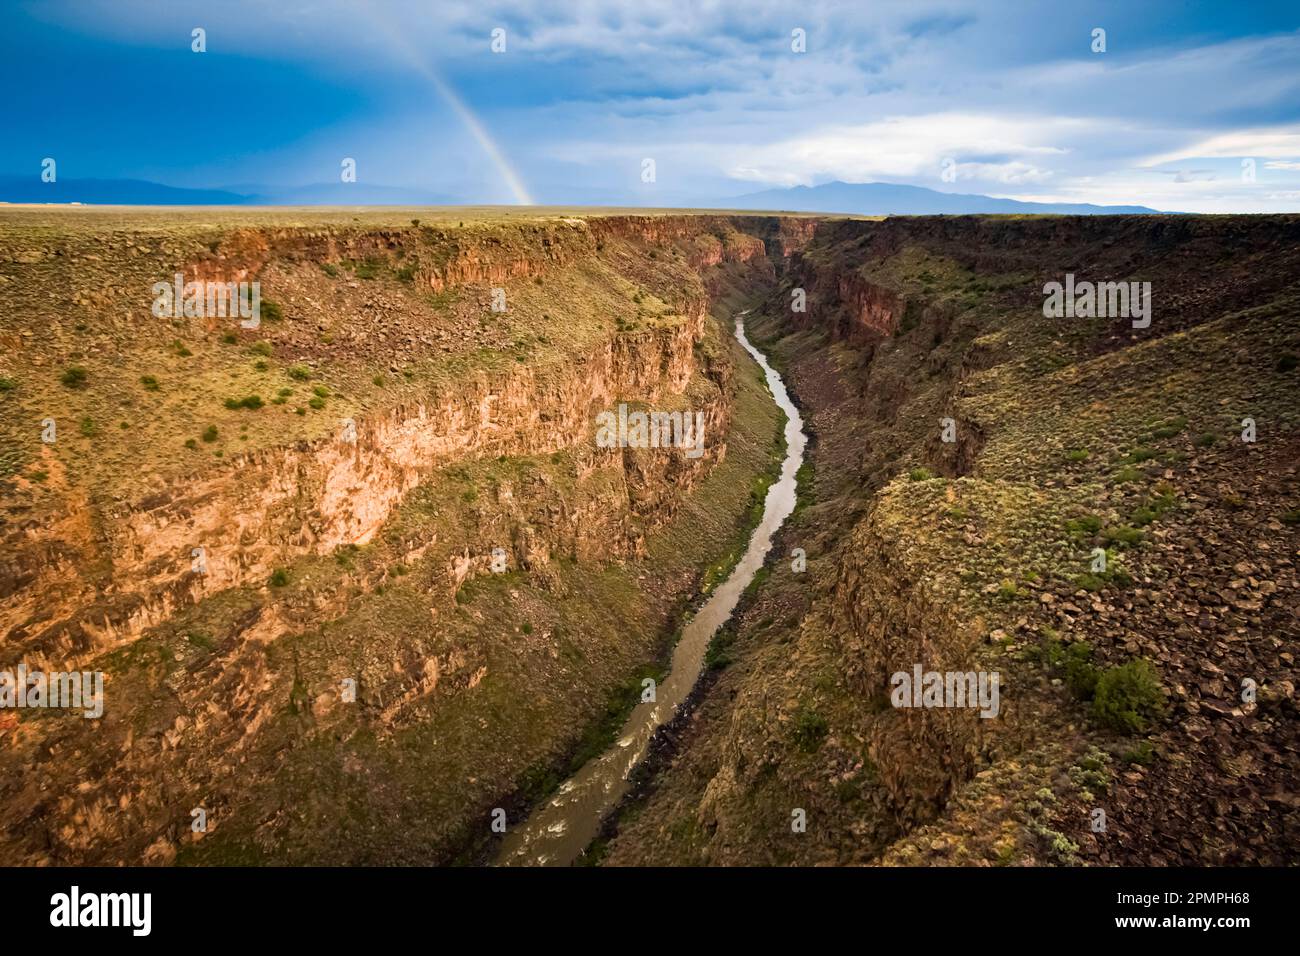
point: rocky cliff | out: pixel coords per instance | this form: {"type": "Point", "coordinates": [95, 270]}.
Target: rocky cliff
{"type": "Point", "coordinates": [983, 455]}
{"type": "Point", "coordinates": [209, 562]}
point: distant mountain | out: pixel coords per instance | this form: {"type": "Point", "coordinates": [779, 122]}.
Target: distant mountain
{"type": "Point", "coordinates": [889, 199]}
{"type": "Point", "coordinates": [863, 199]}
{"type": "Point", "coordinates": [343, 194]}
{"type": "Point", "coordinates": [139, 192]}
{"type": "Point", "coordinates": [131, 192]}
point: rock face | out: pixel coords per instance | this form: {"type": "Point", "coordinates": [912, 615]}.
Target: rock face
{"type": "Point", "coordinates": [281, 503]}
{"type": "Point", "coordinates": [277, 505]}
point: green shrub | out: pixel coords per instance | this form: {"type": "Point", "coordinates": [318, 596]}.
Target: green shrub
{"type": "Point", "coordinates": [253, 402]}
{"type": "Point", "coordinates": [201, 640]}
{"type": "Point", "coordinates": [1143, 753]}
{"type": "Point", "coordinates": [279, 578]}
{"type": "Point", "coordinates": [1128, 698]}
{"type": "Point", "coordinates": [7, 384]}
{"type": "Point", "coordinates": [1085, 525]}
{"type": "Point", "coordinates": [89, 428]}
{"type": "Point", "coordinates": [1078, 671]}
{"type": "Point", "coordinates": [920, 474]}
{"type": "Point", "coordinates": [299, 373]}
{"type": "Point", "coordinates": [261, 347]}
{"type": "Point", "coordinates": [1079, 454]}
{"type": "Point", "coordinates": [810, 729]}
{"type": "Point", "coordinates": [1169, 429]}
{"type": "Point", "coordinates": [210, 433]}
{"type": "Point", "coordinates": [1124, 536]}
{"type": "Point", "coordinates": [270, 311]}
{"type": "Point", "coordinates": [1143, 516]}
{"type": "Point", "coordinates": [1139, 455]}
{"type": "Point", "coordinates": [330, 269]}
{"type": "Point", "coordinates": [74, 376]}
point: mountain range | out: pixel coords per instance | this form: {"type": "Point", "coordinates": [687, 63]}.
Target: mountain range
{"type": "Point", "coordinates": [862, 199]}
{"type": "Point", "coordinates": [892, 199]}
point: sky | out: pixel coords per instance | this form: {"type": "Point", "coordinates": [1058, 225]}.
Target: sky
{"type": "Point", "coordinates": [1192, 106]}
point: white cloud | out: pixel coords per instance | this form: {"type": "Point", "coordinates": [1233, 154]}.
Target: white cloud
{"type": "Point", "coordinates": [1280, 142]}
{"type": "Point", "coordinates": [903, 147]}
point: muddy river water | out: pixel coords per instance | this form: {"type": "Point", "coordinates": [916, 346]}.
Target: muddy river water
{"type": "Point", "coordinates": [559, 831]}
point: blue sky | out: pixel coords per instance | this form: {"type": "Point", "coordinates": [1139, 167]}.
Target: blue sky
{"type": "Point", "coordinates": [1010, 92]}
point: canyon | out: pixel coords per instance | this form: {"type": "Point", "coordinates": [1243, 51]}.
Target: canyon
{"type": "Point", "coordinates": [362, 576]}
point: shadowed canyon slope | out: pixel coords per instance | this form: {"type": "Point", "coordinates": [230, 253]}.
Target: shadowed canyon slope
{"type": "Point", "coordinates": [236, 525]}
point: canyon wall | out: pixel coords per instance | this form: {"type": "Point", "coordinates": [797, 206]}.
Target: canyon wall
{"type": "Point", "coordinates": [86, 583]}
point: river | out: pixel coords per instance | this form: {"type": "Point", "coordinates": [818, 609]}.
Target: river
{"type": "Point", "coordinates": [558, 832]}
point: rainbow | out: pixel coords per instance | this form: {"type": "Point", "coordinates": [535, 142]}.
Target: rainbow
{"type": "Point", "coordinates": [462, 110]}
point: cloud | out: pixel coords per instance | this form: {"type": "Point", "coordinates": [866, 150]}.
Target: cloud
{"type": "Point", "coordinates": [717, 96]}
{"type": "Point", "coordinates": [912, 147]}
{"type": "Point", "coordinates": [1279, 142]}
